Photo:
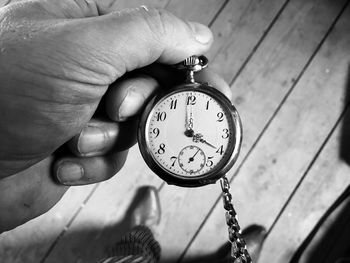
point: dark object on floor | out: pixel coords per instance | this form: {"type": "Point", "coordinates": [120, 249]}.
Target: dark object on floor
{"type": "Point", "coordinates": [138, 245]}
{"type": "Point", "coordinates": [254, 237]}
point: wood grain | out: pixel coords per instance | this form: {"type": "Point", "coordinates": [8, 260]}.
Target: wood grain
{"type": "Point", "coordinates": [327, 179]}
{"type": "Point", "coordinates": [282, 156]}
{"type": "Point", "coordinates": [259, 90]}
{"type": "Point", "coordinates": [329, 176]}
{"type": "Point", "coordinates": [238, 30]}
{"type": "Point", "coordinates": [30, 242]}
{"type": "Point", "coordinates": [196, 10]}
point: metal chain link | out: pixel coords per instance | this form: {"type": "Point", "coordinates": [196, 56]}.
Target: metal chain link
{"type": "Point", "coordinates": [239, 252]}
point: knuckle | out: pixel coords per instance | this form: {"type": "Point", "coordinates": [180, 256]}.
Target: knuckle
{"type": "Point", "coordinates": [4, 3]}
{"type": "Point", "coordinates": [88, 7]}
{"type": "Point", "coordinates": [159, 21]}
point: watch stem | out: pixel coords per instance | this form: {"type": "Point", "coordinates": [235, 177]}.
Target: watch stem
{"type": "Point", "coordinates": [191, 65]}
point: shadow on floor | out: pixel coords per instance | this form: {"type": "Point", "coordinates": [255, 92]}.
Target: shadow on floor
{"type": "Point", "coordinates": [92, 244]}
{"type": "Point", "coordinates": [83, 247]}
{"type": "Point", "coordinates": [345, 132]}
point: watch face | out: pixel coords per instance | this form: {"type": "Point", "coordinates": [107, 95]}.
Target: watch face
{"type": "Point", "coordinates": [191, 133]}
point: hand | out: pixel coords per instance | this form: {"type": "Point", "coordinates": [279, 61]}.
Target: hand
{"type": "Point", "coordinates": [57, 60]}
{"type": "Point", "coordinates": [198, 137]}
{"type": "Point", "coordinates": [56, 66]}
{"type": "Point", "coordinates": [191, 159]}
{"type": "Point", "coordinates": [207, 143]}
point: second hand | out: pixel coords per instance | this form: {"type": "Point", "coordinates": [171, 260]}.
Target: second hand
{"type": "Point", "coordinates": [192, 158]}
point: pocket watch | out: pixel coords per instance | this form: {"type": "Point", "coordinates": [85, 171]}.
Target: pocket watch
{"type": "Point", "coordinates": [190, 136]}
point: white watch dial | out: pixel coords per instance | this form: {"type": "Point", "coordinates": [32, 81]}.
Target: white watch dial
{"type": "Point", "coordinates": [189, 133]}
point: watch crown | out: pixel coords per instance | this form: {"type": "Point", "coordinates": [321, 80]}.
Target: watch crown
{"type": "Point", "coordinates": [193, 63]}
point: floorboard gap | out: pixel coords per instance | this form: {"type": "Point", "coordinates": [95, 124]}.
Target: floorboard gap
{"type": "Point", "coordinates": [70, 222]}
{"type": "Point", "coordinates": [271, 118]}
{"type": "Point", "coordinates": [333, 128]}
{"type": "Point", "coordinates": [218, 13]}
{"type": "Point", "coordinates": [266, 32]}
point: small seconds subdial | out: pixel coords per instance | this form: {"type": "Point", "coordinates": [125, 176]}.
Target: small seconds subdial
{"type": "Point", "coordinates": [191, 159]}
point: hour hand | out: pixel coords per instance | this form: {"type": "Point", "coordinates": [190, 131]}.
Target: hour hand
{"type": "Point", "coordinates": [207, 143]}
{"type": "Point", "coordinates": [189, 126]}
{"type": "Point", "coordinates": [189, 121]}
{"type": "Point", "coordinates": [189, 132]}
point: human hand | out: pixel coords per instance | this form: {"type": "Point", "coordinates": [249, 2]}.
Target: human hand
{"type": "Point", "coordinates": [57, 60]}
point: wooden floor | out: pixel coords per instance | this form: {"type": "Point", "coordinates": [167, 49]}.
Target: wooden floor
{"type": "Point", "coordinates": [288, 64]}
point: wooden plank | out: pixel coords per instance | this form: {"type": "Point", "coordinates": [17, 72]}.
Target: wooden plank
{"type": "Point", "coordinates": [327, 179]}
{"type": "Point", "coordinates": [30, 242]}
{"type": "Point", "coordinates": [288, 147]}
{"type": "Point", "coordinates": [75, 244]}
{"type": "Point", "coordinates": [237, 31]}
{"type": "Point", "coordinates": [196, 10]}
{"type": "Point", "coordinates": [329, 176]}
{"type": "Point", "coordinates": [278, 61]}
{"type": "Point", "coordinates": [248, 97]}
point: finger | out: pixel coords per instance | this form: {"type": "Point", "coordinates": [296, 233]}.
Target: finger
{"type": "Point", "coordinates": [82, 8]}
{"type": "Point", "coordinates": [66, 8]}
{"type": "Point", "coordinates": [101, 136]}
{"type": "Point", "coordinates": [28, 194]}
{"type": "Point", "coordinates": [126, 97]}
{"type": "Point", "coordinates": [97, 7]}
{"type": "Point", "coordinates": [81, 171]}
{"type": "Point", "coordinates": [116, 43]}
{"type": "Point", "coordinates": [4, 2]}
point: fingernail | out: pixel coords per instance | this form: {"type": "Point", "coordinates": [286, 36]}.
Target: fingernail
{"type": "Point", "coordinates": [201, 32]}
{"type": "Point", "coordinates": [93, 140]}
{"type": "Point", "coordinates": [68, 173]}
{"type": "Point", "coordinates": [130, 105]}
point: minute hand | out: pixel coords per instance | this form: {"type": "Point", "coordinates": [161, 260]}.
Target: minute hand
{"type": "Point", "coordinates": [198, 138]}
{"type": "Point", "coordinates": [207, 143]}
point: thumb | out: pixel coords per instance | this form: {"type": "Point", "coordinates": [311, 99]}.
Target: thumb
{"type": "Point", "coordinates": [122, 41]}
